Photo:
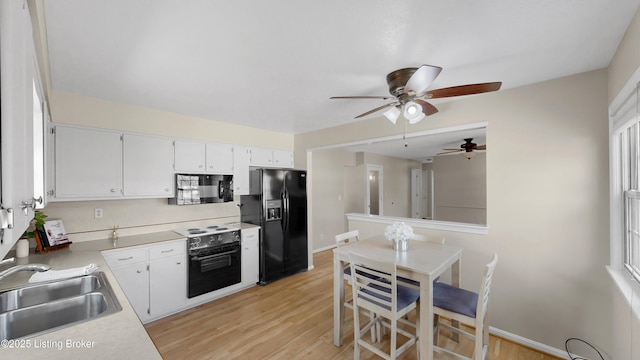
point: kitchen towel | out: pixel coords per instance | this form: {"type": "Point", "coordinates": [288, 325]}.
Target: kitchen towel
{"type": "Point", "coordinates": [51, 275]}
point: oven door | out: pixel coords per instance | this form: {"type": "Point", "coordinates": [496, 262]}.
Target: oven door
{"type": "Point", "coordinates": [213, 270]}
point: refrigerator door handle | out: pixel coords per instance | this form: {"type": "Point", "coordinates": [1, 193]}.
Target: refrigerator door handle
{"type": "Point", "coordinates": [285, 208]}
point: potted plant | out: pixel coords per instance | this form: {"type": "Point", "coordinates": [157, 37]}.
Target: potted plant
{"type": "Point", "coordinates": [37, 223]}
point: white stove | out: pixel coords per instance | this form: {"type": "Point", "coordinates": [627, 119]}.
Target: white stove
{"type": "Point", "coordinates": [207, 230]}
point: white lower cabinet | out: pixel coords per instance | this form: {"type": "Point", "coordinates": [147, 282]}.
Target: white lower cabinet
{"type": "Point", "coordinates": [250, 255]}
{"type": "Point", "coordinates": [153, 277]}
{"type": "Point", "coordinates": [134, 281]}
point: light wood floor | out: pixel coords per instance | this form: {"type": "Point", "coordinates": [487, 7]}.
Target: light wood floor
{"type": "Point", "coordinates": [289, 319]}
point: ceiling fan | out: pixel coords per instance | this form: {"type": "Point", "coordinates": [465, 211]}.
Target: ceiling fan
{"type": "Point", "coordinates": [409, 89]}
{"type": "Point", "coordinates": [467, 149]}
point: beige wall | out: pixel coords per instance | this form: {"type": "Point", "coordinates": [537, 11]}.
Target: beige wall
{"type": "Point", "coordinates": [139, 216]}
{"type": "Point", "coordinates": [339, 186]}
{"type": "Point", "coordinates": [547, 203]}
{"type": "Point", "coordinates": [461, 188]}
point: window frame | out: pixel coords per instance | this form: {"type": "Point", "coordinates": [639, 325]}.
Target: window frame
{"type": "Point", "coordinates": [624, 130]}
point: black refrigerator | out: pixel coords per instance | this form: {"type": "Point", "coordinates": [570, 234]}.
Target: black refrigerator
{"type": "Point", "coordinates": [277, 202]}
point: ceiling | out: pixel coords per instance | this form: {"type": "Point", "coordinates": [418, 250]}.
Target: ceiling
{"type": "Point", "coordinates": [274, 64]}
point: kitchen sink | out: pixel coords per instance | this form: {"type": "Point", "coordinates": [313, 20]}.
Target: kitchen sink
{"type": "Point", "coordinates": [46, 307]}
{"type": "Point", "coordinates": [42, 293]}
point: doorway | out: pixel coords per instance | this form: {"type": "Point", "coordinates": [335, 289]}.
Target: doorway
{"type": "Point", "coordinates": [374, 199]}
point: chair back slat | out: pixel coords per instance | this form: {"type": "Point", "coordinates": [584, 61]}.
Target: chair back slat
{"type": "Point", "coordinates": [374, 284]}
{"type": "Point", "coordinates": [347, 237]}
{"type": "Point", "coordinates": [485, 288]}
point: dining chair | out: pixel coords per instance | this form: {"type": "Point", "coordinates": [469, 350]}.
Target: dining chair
{"type": "Point", "coordinates": [466, 307]}
{"type": "Point", "coordinates": [375, 288]}
{"type": "Point", "coordinates": [341, 240]}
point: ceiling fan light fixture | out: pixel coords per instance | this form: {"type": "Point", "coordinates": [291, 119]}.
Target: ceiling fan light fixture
{"type": "Point", "coordinates": [392, 114]}
{"type": "Point", "coordinates": [413, 112]}
{"type": "Point", "coordinates": [469, 154]}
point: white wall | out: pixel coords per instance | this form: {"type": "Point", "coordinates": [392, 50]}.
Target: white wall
{"type": "Point", "coordinates": [547, 203]}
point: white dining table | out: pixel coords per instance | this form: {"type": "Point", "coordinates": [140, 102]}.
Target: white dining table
{"type": "Point", "coordinates": [423, 261]}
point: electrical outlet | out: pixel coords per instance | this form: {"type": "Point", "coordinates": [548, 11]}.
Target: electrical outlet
{"type": "Point", "coordinates": [97, 213]}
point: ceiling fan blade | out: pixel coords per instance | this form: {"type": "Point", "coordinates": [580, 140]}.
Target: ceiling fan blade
{"type": "Point", "coordinates": [377, 109]}
{"type": "Point", "coordinates": [363, 97]}
{"type": "Point", "coordinates": [422, 78]}
{"type": "Point", "coordinates": [427, 108]}
{"type": "Point", "coordinates": [469, 89]}
{"type": "Point", "coordinates": [453, 149]}
{"type": "Point", "coordinates": [481, 147]}
{"type": "Point", "coordinates": [448, 152]}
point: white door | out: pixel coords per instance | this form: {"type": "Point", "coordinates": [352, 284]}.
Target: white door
{"type": "Point", "coordinates": [416, 194]}
{"type": "Point", "coordinates": [375, 190]}
{"type": "Point", "coordinates": [16, 120]}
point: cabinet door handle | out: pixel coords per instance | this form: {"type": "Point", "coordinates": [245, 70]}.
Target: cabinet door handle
{"type": "Point", "coordinates": [178, 262]}
{"type": "Point", "coordinates": [113, 190]}
{"type": "Point", "coordinates": [125, 259]}
{"type": "Point", "coordinates": [166, 251]}
{"type": "Point", "coordinates": [139, 271]}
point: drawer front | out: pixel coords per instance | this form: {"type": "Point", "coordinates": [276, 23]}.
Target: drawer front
{"type": "Point", "coordinates": [250, 235]}
{"type": "Point", "coordinates": [125, 258]}
{"type": "Point", "coordinates": [168, 249]}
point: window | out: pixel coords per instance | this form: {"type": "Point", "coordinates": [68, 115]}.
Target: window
{"type": "Point", "coordinates": [625, 148]}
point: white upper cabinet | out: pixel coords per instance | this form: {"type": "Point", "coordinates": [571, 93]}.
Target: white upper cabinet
{"type": "Point", "coordinates": [16, 121]}
{"type": "Point", "coordinates": [147, 166]}
{"type": "Point", "coordinates": [271, 158]}
{"type": "Point", "coordinates": [200, 157]}
{"type": "Point", "coordinates": [283, 158]}
{"type": "Point", "coordinates": [219, 158]}
{"type": "Point", "coordinates": [88, 163]}
{"type": "Point", "coordinates": [190, 156]}
{"type": "Point", "coordinates": [241, 157]}
{"type": "Point", "coordinates": [261, 157]}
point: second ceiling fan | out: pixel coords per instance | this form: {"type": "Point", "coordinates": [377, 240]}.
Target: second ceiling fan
{"type": "Point", "coordinates": [409, 88]}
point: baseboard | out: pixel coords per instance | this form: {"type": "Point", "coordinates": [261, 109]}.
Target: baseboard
{"type": "Point", "coordinates": [324, 248]}
{"type": "Point", "coordinates": [529, 343]}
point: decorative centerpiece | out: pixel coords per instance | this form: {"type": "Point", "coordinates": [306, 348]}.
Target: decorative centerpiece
{"type": "Point", "coordinates": [399, 234]}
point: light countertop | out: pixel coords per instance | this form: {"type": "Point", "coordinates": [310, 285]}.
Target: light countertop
{"type": "Point", "coordinates": [116, 336]}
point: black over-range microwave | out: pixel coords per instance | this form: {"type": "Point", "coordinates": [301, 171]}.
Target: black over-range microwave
{"type": "Point", "coordinates": [202, 189]}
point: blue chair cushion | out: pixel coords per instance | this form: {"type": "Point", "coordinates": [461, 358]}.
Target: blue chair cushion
{"type": "Point", "coordinates": [406, 296]}
{"type": "Point", "coordinates": [455, 299]}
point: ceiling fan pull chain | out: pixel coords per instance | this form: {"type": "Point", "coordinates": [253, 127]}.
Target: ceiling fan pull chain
{"type": "Point", "coordinates": [404, 134]}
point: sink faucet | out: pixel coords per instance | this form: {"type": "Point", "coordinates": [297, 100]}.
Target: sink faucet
{"type": "Point", "coordinates": [11, 260]}
{"type": "Point", "coordinates": [26, 267]}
